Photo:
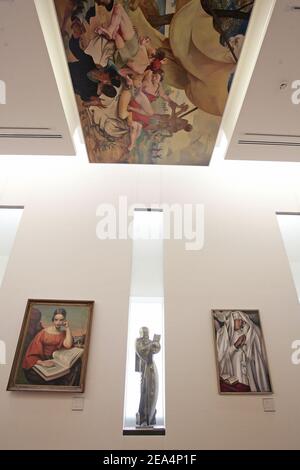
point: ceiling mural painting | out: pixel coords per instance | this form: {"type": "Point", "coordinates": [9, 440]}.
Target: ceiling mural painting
{"type": "Point", "coordinates": [152, 77]}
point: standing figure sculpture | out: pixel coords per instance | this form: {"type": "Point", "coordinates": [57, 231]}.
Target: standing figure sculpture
{"type": "Point", "coordinates": [145, 348]}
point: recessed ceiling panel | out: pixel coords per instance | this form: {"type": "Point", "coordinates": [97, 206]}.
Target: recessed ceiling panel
{"type": "Point", "coordinates": [268, 124]}
{"type": "Point", "coordinates": [32, 119]}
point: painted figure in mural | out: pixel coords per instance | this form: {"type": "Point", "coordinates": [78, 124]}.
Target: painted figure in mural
{"type": "Point", "coordinates": [167, 125]}
{"type": "Point", "coordinates": [134, 63]}
{"type": "Point", "coordinates": [230, 20]}
{"type": "Point", "coordinates": [44, 344]}
{"type": "Point", "coordinates": [84, 10]}
{"type": "Point", "coordinates": [145, 348]}
{"type": "Point", "coordinates": [241, 353]}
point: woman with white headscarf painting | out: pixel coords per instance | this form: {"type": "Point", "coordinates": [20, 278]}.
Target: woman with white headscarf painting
{"type": "Point", "coordinates": [241, 353]}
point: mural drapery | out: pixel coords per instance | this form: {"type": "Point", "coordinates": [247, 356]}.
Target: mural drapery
{"type": "Point", "coordinates": [152, 77]}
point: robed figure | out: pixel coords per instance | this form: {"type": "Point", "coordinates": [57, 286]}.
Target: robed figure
{"type": "Point", "coordinates": [145, 348]}
{"type": "Point", "coordinates": [241, 353]}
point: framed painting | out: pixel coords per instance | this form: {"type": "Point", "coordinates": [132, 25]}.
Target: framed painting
{"type": "Point", "coordinates": [52, 351]}
{"type": "Point", "coordinates": [242, 366]}
{"type": "Point", "coordinates": [152, 77]}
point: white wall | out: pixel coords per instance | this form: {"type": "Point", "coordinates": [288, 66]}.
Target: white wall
{"type": "Point", "coordinates": [9, 222]}
{"type": "Point", "coordinates": [3, 264]}
{"type": "Point", "coordinates": [243, 265]}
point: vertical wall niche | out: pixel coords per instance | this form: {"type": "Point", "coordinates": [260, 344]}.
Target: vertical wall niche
{"type": "Point", "coordinates": [9, 222]}
{"type": "Point", "coordinates": [2, 92]}
{"type": "Point", "coordinates": [144, 385]}
{"type": "Point", "coordinates": [289, 224]}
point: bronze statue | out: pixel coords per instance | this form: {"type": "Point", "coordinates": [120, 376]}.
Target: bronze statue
{"type": "Point", "coordinates": [145, 348]}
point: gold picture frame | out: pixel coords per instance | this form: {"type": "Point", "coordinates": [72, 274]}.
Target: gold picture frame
{"type": "Point", "coordinates": [53, 345]}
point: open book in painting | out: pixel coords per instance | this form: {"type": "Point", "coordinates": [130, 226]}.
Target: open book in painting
{"type": "Point", "coordinates": [229, 379]}
{"type": "Point", "coordinates": [63, 360]}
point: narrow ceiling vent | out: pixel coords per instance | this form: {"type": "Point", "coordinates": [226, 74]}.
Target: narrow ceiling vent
{"type": "Point", "coordinates": [27, 133]}
{"type": "Point", "coordinates": [280, 140]}
{"type": "Point", "coordinates": [30, 136]}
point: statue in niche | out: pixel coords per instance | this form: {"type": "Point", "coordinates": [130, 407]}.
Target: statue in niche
{"type": "Point", "coordinates": [145, 348]}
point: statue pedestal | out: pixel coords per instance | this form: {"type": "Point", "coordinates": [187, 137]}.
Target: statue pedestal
{"type": "Point", "coordinates": [144, 431]}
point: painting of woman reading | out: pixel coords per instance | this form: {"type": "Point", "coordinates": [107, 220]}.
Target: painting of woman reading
{"type": "Point", "coordinates": [53, 346]}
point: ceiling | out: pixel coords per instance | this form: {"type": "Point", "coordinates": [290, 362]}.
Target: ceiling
{"type": "Point", "coordinates": [268, 123]}
{"type": "Point", "coordinates": [259, 121]}
{"type": "Point", "coordinates": [32, 122]}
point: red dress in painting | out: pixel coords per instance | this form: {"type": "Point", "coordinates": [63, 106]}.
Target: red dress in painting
{"type": "Point", "coordinates": [42, 347]}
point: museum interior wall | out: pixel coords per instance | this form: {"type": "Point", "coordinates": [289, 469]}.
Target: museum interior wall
{"type": "Point", "coordinates": [242, 265]}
